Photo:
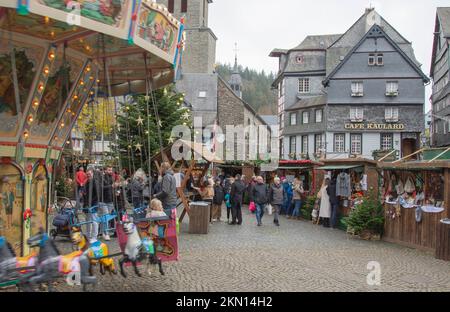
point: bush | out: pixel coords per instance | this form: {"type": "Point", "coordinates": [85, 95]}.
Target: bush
{"type": "Point", "coordinates": [63, 187]}
{"type": "Point", "coordinates": [307, 207]}
{"type": "Point", "coordinates": [367, 217]}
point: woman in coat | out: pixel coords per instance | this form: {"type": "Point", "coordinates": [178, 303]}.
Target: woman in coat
{"type": "Point", "coordinates": [325, 206]}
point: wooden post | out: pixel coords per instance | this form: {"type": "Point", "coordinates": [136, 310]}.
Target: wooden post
{"type": "Point", "coordinates": [180, 190]}
{"type": "Point", "coordinates": [447, 192]}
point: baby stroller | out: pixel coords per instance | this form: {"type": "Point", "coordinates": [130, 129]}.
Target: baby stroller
{"type": "Point", "coordinates": [65, 218]}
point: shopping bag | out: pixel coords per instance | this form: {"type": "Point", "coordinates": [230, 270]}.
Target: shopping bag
{"type": "Point", "coordinates": [252, 207]}
{"type": "Point", "coordinates": [269, 209]}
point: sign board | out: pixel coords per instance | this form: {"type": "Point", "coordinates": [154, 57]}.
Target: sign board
{"type": "Point", "coordinates": [374, 126]}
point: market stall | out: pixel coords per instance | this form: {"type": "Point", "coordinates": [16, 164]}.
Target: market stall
{"type": "Point", "coordinates": [355, 177]}
{"type": "Point", "coordinates": [301, 169]}
{"type": "Point", "coordinates": [416, 197]}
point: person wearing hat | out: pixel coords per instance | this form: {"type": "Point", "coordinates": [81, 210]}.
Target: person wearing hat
{"type": "Point", "coordinates": [237, 193]}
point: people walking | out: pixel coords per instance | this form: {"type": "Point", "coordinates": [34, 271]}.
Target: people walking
{"type": "Point", "coordinates": [334, 202]}
{"type": "Point", "coordinates": [168, 193]}
{"type": "Point", "coordinates": [277, 197]}
{"type": "Point", "coordinates": [207, 195]}
{"type": "Point", "coordinates": [325, 207]}
{"type": "Point", "coordinates": [298, 192]}
{"type": "Point", "coordinates": [106, 204]}
{"type": "Point", "coordinates": [80, 179]}
{"type": "Point", "coordinates": [218, 199]}
{"type": "Point", "coordinates": [259, 194]}
{"type": "Point", "coordinates": [237, 194]}
{"type": "Point", "coordinates": [90, 200]}
{"type": "Point", "coordinates": [227, 190]}
{"type": "Point", "coordinates": [287, 201]}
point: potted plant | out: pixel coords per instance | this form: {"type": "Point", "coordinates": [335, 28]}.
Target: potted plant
{"type": "Point", "coordinates": [366, 220]}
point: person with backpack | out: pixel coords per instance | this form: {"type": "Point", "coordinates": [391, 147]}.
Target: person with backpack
{"type": "Point", "coordinates": [277, 197]}
{"type": "Point", "coordinates": [287, 201]}
{"type": "Point", "coordinates": [237, 195]}
{"type": "Point", "coordinates": [260, 196]}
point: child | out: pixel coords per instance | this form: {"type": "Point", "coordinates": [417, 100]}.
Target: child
{"type": "Point", "coordinates": [228, 204]}
{"type": "Point", "coordinates": [156, 209]}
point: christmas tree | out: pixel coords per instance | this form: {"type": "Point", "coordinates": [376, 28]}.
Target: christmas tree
{"type": "Point", "coordinates": [137, 126]}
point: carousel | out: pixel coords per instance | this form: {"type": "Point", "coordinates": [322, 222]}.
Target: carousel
{"type": "Point", "coordinates": [55, 57]}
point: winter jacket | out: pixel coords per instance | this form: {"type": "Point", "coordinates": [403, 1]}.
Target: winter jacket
{"type": "Point", "coordinates": [287, 188]}
{"type": "Point", "coordinates": [298, 192]}
{"type": "Point", "coordinates": [219, 195]}
{"type": "Point", "coordinates": [107, 187]}
{"type": "Point", "coordinates": [137, 189]}
{"type": "Point", "coordinates": [259, 194]}
{"type": "Point", "coordinates": [227, 186]}
{"type": "Point", "coordinates": [90, 196]}
{"type": "Point", "coordinates": [237, 192]}
{"type": "Point", "coordinates": [81, 178]}
{"type": "Point", "coordinates": [343, 185]}
{"type": "Point", "coordinates": [277, 194]}
{"type": "Point", "coordinates": [331, 190]}
{"type": "Point", "coordinates": [168, 194]}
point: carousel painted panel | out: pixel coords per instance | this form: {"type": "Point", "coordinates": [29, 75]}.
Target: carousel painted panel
{"type": "Point", "coordinates": [39, 199]}
{"type": "Point", "coordinates": [11, 205]}
{"type": "Point", "coordinates": [111, 17]}
{"type": "Point", "coordinates": [63, 74]}
{"type": "Point", "coordinates": [27, 58]}
{"type": "Point", "coordinates": [9, 3]}
{"type": "Point", "coordinates": [156, 31]}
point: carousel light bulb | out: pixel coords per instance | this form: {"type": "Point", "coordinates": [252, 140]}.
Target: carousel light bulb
{"type": "Point", "coordinates": [91, 78]}
{"type": "Point", "coordinates": [62, 125]}
{"type": "Point", "coordinates": [75, 97]}
{"type": "Point", "coordinates": [98, 80]}
{"type": "Point", "coordinates": [73, 114]}
{"type": "Point", "coordinates": [88, 69]}
{"type": "Point", "coordinates": [41, 87]}
{"type": "Point", "coordinates": [46, 19]}
{"type": "Point", "coordinates": [46, 70]}
{"type": "Point", "coordinates": [26, 134]}
{"type": "Point", "coordinates": [82, 83]}
{"type": "Point", "coordinates": [35, 103]}
{"type": "Point", "coordinates": [67, 142]}
{"type": "Point", "coordinates": [30, 118]}
{"type": "Point", "coordinates": [52, 34]}
{"type": "Point", "coordinates": [51, 56]}
{"type": "Point", "coordinates": [91, 93]}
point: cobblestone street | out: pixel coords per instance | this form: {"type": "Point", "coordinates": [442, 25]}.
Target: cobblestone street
{"type": "Point", "coordinates": [297, 256]}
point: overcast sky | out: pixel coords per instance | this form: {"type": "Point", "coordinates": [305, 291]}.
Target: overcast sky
{"type": "Point", "coordinates": [258, 26]}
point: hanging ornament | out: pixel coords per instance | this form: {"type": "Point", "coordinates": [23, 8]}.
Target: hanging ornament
{"type": "Point", "coordinates": [160, 123]}
{"type": "Point", "coordinates": [139, 147]}
{"type": "Point", "coordinates": [140, 121]}
{"type": "Point", "coordinates": [171, 140]}
{"type": "Point", "coordinates": [118, 127]}
{"type": "Point", "coordinates": [186, 116]}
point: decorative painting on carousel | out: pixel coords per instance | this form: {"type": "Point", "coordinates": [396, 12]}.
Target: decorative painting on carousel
{"type": "Point", "coordinates": [109, 12]}
{"type": "Point", "coordinates": [11, 205]}
{"type": "Point", "coordinates": [27, 59]}
{"type": "Point", "coordinates": [39, 197]}
{"type": "Point", "coordinates": [155, 28]}
{"type": "Point", "coordinates": [63, 74]}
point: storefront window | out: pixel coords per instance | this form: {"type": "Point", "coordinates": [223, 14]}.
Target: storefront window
{"type": "Point", "coordinates": [11, 205]}
{"type": "Point", "coordinates": [356, 144]}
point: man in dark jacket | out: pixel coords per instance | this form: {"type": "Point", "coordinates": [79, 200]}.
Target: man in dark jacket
{"type": "Point", "coordinates": [90, 200]}
{"type": "Point", "coordinates": [218, 198]}
{"type": "Point", "coordinates": [106, 204]}
{"type": "Point", "coordinates": [259, 194]}
{"type": "Point", "coordinates": [168, 193]}
{"type": "Point", "coordinates": [334, 202]}
{"type": "Point", "coordinates": [237, 194]}
{"type": "Point", "coordinates": [277, 198]}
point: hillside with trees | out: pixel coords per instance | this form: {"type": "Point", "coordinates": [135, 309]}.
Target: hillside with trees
{"type": "Point", "coordinates": [256, 89]}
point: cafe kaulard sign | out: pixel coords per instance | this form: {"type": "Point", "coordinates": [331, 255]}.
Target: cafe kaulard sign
{"type": "Point", "coordinates": [374, 126]}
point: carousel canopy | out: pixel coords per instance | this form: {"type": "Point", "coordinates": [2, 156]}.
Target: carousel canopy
{"type": "Point", "coordinates": [56, 55]}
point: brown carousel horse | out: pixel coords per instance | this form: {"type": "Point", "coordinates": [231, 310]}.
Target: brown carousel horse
{"type": "Point", "coordinates": [97, 252]}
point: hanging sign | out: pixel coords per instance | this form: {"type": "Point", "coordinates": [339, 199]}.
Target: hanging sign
{"type": "Point", "coordinates": [374, 126]}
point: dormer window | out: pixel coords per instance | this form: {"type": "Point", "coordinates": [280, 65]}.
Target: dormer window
{"type": "Point", "coordinates": [375, 59]}
{"type": "Point", "coordinates": [303, 85]}
{"type": "Point", "coordinates": [380, 59]}
{"type": "Point", "coordinates": [371, 59]}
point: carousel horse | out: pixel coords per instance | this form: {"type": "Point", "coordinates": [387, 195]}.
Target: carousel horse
{"type": "Point", "coordinates": [94, 251]}
{"type": "Point", "coordinates": [137, 249]}
{"type": "Point", "coordinates": [51, 264]}
{"type": "Point", "coordinates": [10, 265]}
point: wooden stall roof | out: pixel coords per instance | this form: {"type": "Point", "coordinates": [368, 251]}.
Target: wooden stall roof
{"type": "Point", "coordinates": [350, 162]}
{"type": "Point", "coordinates": [416, 165]}
{"type": "Point", "coordinates": [197, 148]}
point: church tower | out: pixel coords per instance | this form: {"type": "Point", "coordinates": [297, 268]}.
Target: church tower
{"type": "Point", "coordinates": [236, 79]}
{"type": "Point", "coordinates": [199, 55]}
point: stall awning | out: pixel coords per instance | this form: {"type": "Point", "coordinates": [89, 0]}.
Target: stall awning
{"type": "Point", "coordinates": [339, 167]}
{"type": "Point", "coordinates": [294, 167]}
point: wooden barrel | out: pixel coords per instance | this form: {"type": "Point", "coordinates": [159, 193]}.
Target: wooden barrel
{"type": "Point", "coordinates": [199, 215]}
{"type": "Point", "coordinates": [443, 242]}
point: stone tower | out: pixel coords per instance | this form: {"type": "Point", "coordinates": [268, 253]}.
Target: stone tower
{"type": "Point", "coordinates": [199, 56]}
{"type": "Point", "coordinates": [236, 79]}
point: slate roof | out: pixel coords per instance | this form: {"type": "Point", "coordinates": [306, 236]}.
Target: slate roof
{"type": "Point", "coordinates": [317, 42]}
{"type": "Point", "coordinates": [270, 119]}
{"type": "Point", "coordinates": [308, 102]}
{"type": "Point", "coordinates": [443, 14]}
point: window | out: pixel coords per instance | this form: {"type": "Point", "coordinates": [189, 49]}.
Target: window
{"type": "Point", "coordinates": [317, 143]}
{"type": "Point", "coordinates": [184, 6]}
{"type": "Point", "coordinates": [305, 144]}
{"type": "Point", "coordinates": [319, 115]}
{"type": "Point", "coordinates": [356, 114]}
{"type": "Point", "coordinates": [339, 142]}
{"type": "Point", "coordinates": [293, 119]}
{"type": "Point", "coordinates": [357, 88]}
{"type": "Point", "coordinates": [305, 117]}
{"type": "Point", "coordinates": [375, 59]}
{"type": "Point", "coordinates": [171, 6]}
{"type": "Point", "coordinates": [379, 59]}
{"type": "Point", "coordinates": [356, 144]}
{"type": "Point", "coordinates": [299, 59]}
{"type": "Point", "coordinates": [387, 141]}
{"type": "Point", "coordinates": [292, 144]}
{"type": "Point", "coordinates": [392, 88]}
{"type": "Point", "coordinates": [303, 85]}
{"type": "Point", "coordinates": [391, 114]}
